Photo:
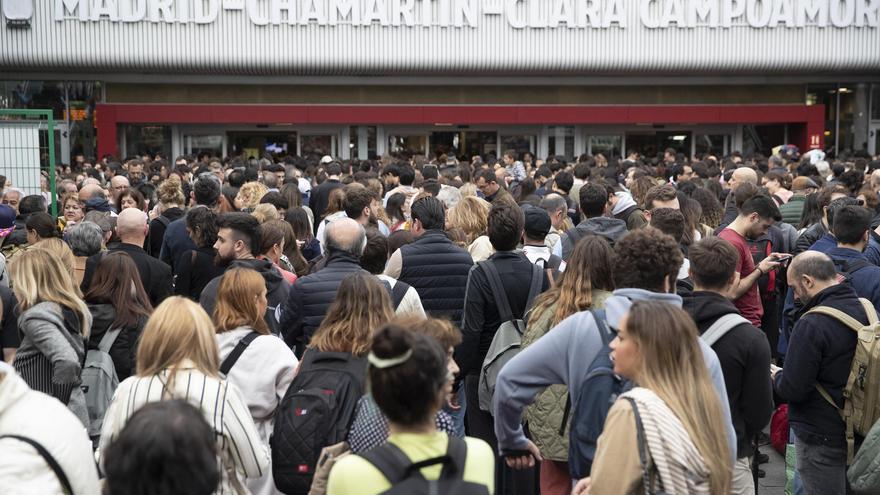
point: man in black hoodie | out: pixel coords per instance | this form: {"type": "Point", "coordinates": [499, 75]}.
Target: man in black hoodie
{"type": "Point", "coordinates": [820, 353]}
{"type": "Point", "coordinates": [743, 351]}
{"type": "Point", "coordinates": [238, 238]}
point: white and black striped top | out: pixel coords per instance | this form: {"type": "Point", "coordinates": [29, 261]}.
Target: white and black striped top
{"type": "Point", "coordinates": [242, 453]}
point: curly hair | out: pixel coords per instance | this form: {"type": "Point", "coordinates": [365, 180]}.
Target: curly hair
{"type": "Point", "coordinates": [170, 192]}
{"type": "Point", "coordinates": [645, 258]}
{"type": "Point", "coordinates": [250, 194]}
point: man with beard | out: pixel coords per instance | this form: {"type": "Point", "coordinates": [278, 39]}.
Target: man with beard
{"type": "Point", "coordinates": [755, 217]}
{"type": "Point", "coordinates": [238, 238]}
{"type": "Point", "coordinates": [360, 205]}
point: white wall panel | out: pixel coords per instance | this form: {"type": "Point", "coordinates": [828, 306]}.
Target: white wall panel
{"type": "Point", "coordinates": [233, 44]}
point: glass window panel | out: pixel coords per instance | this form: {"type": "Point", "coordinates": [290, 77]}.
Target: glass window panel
{"type": "Point", "coordinates": [483, 144]}
{"type": "Point", "coordinates": [709, 144]}
{"type": "Point", "coordinates": [354, 143]}
{"type": "Point", "coordinates": [252, 144]}
{"type": "Point", "coordinates": [197, 144]}
{"type": "Point", "coordinates": [147, 140]}
{"type": "Point", "coordinates": [407, 144]}
{"type": "Point", "coordinates": [520, 143]}
{"type": "Point", "coordinates": [608, 146]}
{"type": "Point", "coordinates": [561, 141]}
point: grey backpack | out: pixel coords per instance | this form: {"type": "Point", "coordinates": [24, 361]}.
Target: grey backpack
{"type": "Point", "coordinates": [721, 326]}
{"type": "Point", "coordinates": [99, 381]}
{"type": "Point", "coordinates": [508, 337]}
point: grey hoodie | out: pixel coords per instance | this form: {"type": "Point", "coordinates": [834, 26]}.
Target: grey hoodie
{"type": "Point", "coordinates": [563, 356]}
{"type": "Point", "coordinates": [610, 228]}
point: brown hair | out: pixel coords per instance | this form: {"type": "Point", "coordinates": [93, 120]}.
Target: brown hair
{"type": "Point", "coordinates": [645, 258]}
{"type": "Point", "coordinates": [117, 281]}
{"type": "Point", "coordinates": [236, 304]}
{"type": "Point", "coordinates": [665, 192]}
{"type": "Point", "coordinates": [713, 262]}
{"type": "Point", "coordinates": [588, 268]}
{"type": "Point", "coordinates": [361, 306]}
{"type": "Point", "coordinates": [335, 201]}
{"type": "Point", "coordinates": [170, 192]}
{"type": "Point", "coordinates": [673, 367]}
{"type": "Point", "coordinates": [640, 189]}
{"type": "Point", "coordinates": [438, 329]}
{"type": "Point", "coordinates": [471, 216]}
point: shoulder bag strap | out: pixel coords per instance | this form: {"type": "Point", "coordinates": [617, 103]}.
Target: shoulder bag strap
{"type": "Point", "coordinates": [236, 353]}
{"type": "Point", "coordinates": [602, 326]}
{"type": "Point", "coordinates": [870, 311]}
{"type": "Point", "coordinates": [721, 326]}
{"type": "Point", "coordinates": [838, 315]}
{"type": "Point", "coordinates": [497, 290]}
{"type": "Point", "coordinates": [643, 452]}
{"type": "Point", "coordinates": [50, 460]}
{"type": "Point", "coordinates": [108, 339]}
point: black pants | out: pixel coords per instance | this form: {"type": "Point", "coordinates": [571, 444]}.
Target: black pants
{"type": "Point", "coordinates": [480, 424]}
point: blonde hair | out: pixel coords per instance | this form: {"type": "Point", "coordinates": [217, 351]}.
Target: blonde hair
{"type": "Point", "coordinates": [471, 215]}
{"type": "Point", "coordinates": [362, 305]}
{"type": "Point", "coordinates": [61, 250]}
{"type": "Point", "coordinates": [236, 304]}
{"type": "Point", "coordinates": [178, 330]}
{"type": "Point", "coordinates": [672, 366]}
{"type": "Point", "coordinates": [170, 192]}
{"type": "Point", "coordinates": [38, 275]}
{"type": "Point", "coordinates": [251, 193]}
{"type": "Point", "coordinates": [468, 189]}
{"type": "Point", "coordinates": [265, 212]}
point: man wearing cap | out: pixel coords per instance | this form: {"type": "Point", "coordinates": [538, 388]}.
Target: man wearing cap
{"type": "Point", "coordinates": [537, 226]}
{"type": "Point", "coordinates": [792, 210]}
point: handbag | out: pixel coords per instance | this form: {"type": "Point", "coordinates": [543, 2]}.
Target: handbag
{"type": "Point", "coordinates": [647, 471]}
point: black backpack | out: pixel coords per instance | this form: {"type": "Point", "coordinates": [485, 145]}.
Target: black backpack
{"type": "Point", "coordinates": [316, 411]}
{"type": "Point", "coordinates": [597, 394]}
{"type": "Point", "coordinates": [406, 478]}
{"type": "Point", "coordinates": [846, 269]}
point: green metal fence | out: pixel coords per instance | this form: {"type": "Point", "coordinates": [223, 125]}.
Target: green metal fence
{"type": "Point", "coordinates": [27, 148]}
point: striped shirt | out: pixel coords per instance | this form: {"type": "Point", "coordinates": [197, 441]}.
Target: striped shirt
{"type": "Point", "coordinates": [242, 453]}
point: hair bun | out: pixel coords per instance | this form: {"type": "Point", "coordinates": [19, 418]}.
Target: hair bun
{"type": "Point", "coordinates": [391, 341]}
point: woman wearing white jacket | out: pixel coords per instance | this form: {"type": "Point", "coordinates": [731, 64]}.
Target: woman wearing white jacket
{"type": "Point", "coordinates": [178, 359]}
{"type": "Point", "coordinates": [31, 416]}
{"type": "Point", "coordinates": [258, 363]}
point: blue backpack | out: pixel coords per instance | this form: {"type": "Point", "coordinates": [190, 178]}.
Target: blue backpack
{"type": "Point", "coordinates": [597, 394]}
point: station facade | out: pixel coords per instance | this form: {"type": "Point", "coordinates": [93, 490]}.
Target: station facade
{"type": "Point", "coordinates": [361, 78]}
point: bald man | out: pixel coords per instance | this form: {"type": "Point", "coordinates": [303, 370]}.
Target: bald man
{"type": "Point", "coordinates": [118, 184]}
{"type": "Point", "coordinates": [132, 228]}
{"type": "Point", "coordinates": [820, 354]}
{"type": "Point", "coordinates": [312, 295]}
{"type": "Point", "coordinates": [741, 175]}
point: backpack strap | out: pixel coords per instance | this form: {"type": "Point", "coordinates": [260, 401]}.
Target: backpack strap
{"type": "Point", "coordinates": [236, 353]}
{"type": "Point", "coordinates": [163, 220]}
{"type": "Point", "coordinates": [398, 292]}
{"type": "Point", "coordinates": [870, 311]}
{"type": "Point", "coordinates": [838, 315]}
{"type": "Point", "coordinates": [497, 290]}
{"type": "Point", "coordinates": [50, 460]}
{"type": "Point", "coordinates": [534, 286]}
{"type": "Point", "coordinates": [392, 462]}
{"type": "Point", "coordinates": [605, 334]}
{"type": "Point", "coordinates": [721, 326]}
{"type": "Point", "coordinates": [456, 451]}
{"type": "Point", "coordinates": [108, 339]}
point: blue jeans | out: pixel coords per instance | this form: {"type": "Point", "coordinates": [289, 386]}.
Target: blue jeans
{"type": "Point", "coordinates": [458, 416]}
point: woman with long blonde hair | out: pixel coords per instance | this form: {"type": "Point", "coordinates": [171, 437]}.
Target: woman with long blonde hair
{"type": "Point", "coordinates": [60, 250]}
{"type": "Point", "coordinates": [471, 215]}
{"type": "Point", "coordinates": [178, 358]}
{"type": "Point", "coordinates": [362, 305]}
{"type": "Point", "coordinates": [670, 419]}
{"type": "Point", "coordinates": [264, 370]}
{"type": "Point", "coordinates": [54, 323]}
{"type": "Point", "coordinates": [585, 284]}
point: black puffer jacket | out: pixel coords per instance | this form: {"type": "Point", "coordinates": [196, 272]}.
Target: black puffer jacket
{"type": "Point", "coordinates": [438, 269]}
{"type": "Point", "coordinates": [311, 296]}
{"type": "Point", "coordinates": [124, 349]}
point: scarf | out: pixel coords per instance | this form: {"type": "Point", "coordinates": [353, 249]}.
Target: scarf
{"type": "Point", "coordinates": [678, 462]}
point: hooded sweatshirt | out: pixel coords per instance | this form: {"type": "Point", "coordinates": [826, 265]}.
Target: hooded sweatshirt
{"type": "Point", "coordinates": [611, 229]}
{"type": "Point", "coordinates": [635, 217]}
{"type": "Point", "coordinates": [276, 289]}
{"type": "Point", "coordinates": [744, 354]}
{"type": "Point", "coordinates": [563, 356]}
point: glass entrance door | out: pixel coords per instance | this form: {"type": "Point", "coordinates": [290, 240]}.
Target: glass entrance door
{"type": "Point", "coordinates": [253, 144]}
{"type": "Point", "coordinates": [874, 139]}
{"type": "Point", "coordinates": [652, 144]}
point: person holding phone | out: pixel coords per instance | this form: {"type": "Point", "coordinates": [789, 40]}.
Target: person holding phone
{"type": "Point", "coordinates": [755, 217]}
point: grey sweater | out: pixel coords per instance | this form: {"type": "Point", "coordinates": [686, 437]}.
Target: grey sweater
{"type": "Point", "coordinates": [563, 356]}
{"type": "Point", "coordinates": [43, 332]}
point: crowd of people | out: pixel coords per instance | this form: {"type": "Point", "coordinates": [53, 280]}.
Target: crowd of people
{"type": "Point", "coordinates": [412, 325]}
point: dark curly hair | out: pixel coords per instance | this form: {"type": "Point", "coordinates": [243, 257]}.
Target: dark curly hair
{"type": "Point", "coordinates": [645, 257]}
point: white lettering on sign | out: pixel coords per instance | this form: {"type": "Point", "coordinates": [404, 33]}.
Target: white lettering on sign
{"type": "Point", "coordinates": [518, 14]}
